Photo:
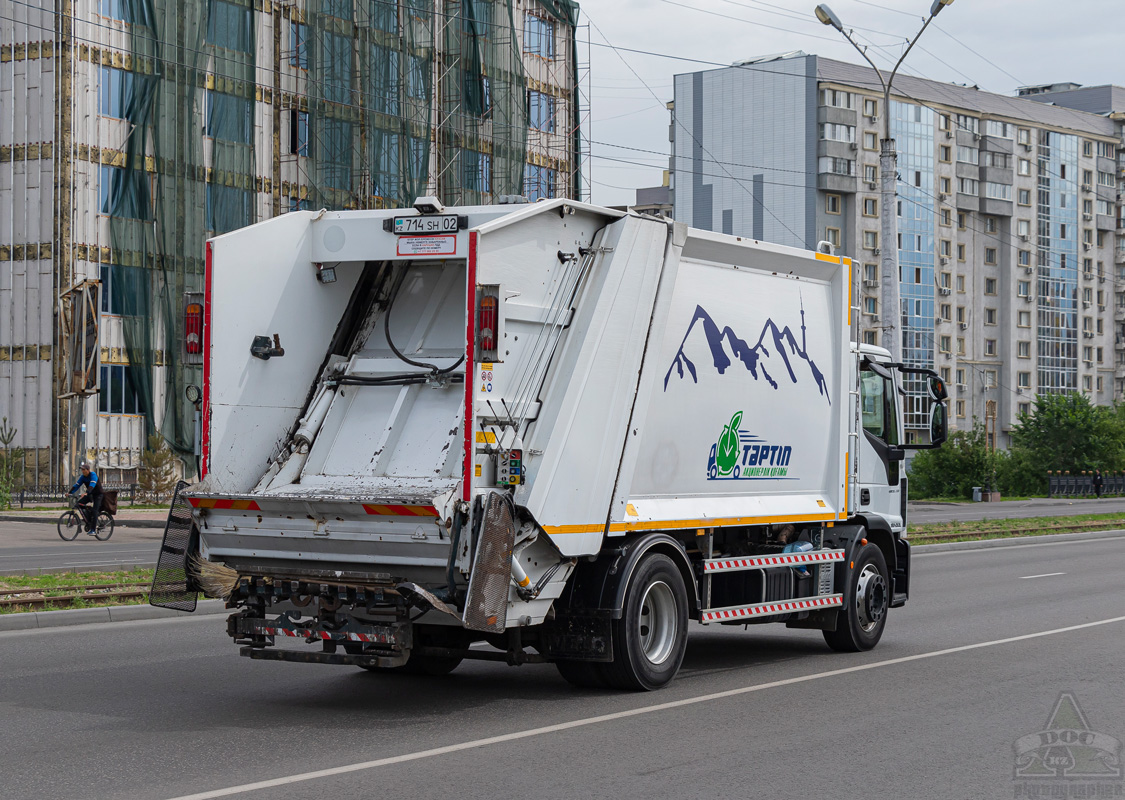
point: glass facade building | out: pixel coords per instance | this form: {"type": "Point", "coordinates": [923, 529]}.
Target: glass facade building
{"type": "Point", "coordinates": [912, 127]}
{"type": "Point", "coordinates": [1057, 243]}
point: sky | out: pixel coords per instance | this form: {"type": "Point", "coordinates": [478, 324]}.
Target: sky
{"type": "Point", "coordinates": [997, 45]}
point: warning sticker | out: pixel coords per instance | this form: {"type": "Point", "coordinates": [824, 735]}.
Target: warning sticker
{"type": "Point", "coordinates": [484, 378]}
{"type": "Point", "coordinates": [427, 245]}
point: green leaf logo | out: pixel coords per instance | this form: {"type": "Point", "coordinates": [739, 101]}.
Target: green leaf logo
{"type": "Point", "coordinates": [726, 451]}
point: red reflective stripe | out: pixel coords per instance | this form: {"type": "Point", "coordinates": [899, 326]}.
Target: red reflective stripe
{"type": "Point", "coordinates": [470, 373]}
{"type": "Point", "coordinates": [205, 460]}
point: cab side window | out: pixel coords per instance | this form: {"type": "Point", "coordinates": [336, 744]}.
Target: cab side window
{"type": "Point", "coordinates": [872, 403]}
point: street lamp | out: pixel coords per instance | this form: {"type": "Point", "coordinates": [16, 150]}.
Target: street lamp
{"type": "Point", "coordinates": [888, 158]}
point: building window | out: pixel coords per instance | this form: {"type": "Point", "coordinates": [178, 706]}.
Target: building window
{"type": "Point", "coordinates": [835, 132]}
{"type": "Point", "coordinates": [960, 220]}
{"type": "Point", "coordinates": [943, 122]}
{"type": "Point", "coordinates": [990, 316]}
{"type": "Point", "coordinates": [990, 225]}
{"type": "Point", "coordinates": [961, 376]}
{"type": "Point", "coordinates": [968, 155]}
{"type": "Point", "coordinates": [1023, 380]}
{"type": "Point", "coordinates": [832, 203]}
{"type": "Point", "coordinates": [115, 88]}
{"type": "Point", "coordinates": [961, 314]}
{"type": "Point", "coordinates": [960, 252]}
{"type": "Point", "coordinates": [1023, 197]}
{"type": "Point", "coordinates": [1023, 349]}
{"type": "Point", "coordinates": [299, 45]}
{"type": "Point", "coordinates": [1087, 383]}
{"type": "Point", "coordinates": [990, 347]}
{"type": "Point", "coordinates": [998, 191]}
{"type": "Point", "coordinates": [967, 123]}
{"type": "Point", "coordinates": [538, 36]}
{"type": "Point", "coordinates": [1100, 384]}
{"type": "Point", "coordinates": [870, 173]}
{"type": "Point", "coordinates": [539, 182]}
{"type": "Point", "coordinates": [870, 306]}
{"type": "Point", "coordinates": [1023, 288]}
{"type": "Point", "coordinates": [968, 186]}
{"type": "Point", "coordinates": [1107, 179]}
{"type": "Point", "coordinates": [1023, 228]}
{"type": "Point", "coordinates": [1088, 148]}
{"type": "Point", "coordinates": [960, 345]}
{"type": "Point", "coordinates": [1024, 167]}
{"type": "Point", "coordinates": [869, 337]}
{"type": "Point", "coordinates": [960, 283]}
{"type": "Point", "coordinates": [119, 9]}
{"type": "Point", "coordinates": [1024, 409]}
{"type": "Point", "coordinates": [946, 217]}
{"type": "Point", "coordinates": [943, 343]}
{"type": "Point", "coordinates": [997, 160]}
{"type": "Point", "coordinates": [541, 111]}
{"type": "Point", "coordinates": [118, 393]}
{"type": "Point", "coordinates": [944, 280]}
{"type": "Point", "coordinates": [946, 248]}
{"type": "Point", "coordinates": [299, 132]}
{"type": "Point", "coordinates": [837, 98]}
{"type": "Point", "coordinates": [1024, 136]}
{"type": "Point", "coordinates": [1101, 354]}
{"type": "Point", "coordinates": [990, 286]}
{"type": "Point", "coordinates": [944, 372]}
{"type": "Point", "coordinates": [990, 255]}
{"type": "Point", "coordinates": [945, 153]}
{"type": "Point", "coordinates": [832, 236]}
{"type": "Point", "coordinates": [871, 272]}
{"type": "Point", "coordinates": [870, 107]}
{"type": "Point", "coordinates": [870, 141]}
{"type": "Point", "coordinates": [871, 240]}
{"type": "Point", "coordinates": [961, 409]}
{"type": "Point", "coordinates": [996, 128]}
{"type": "Point", "coordinates": [836, 166]}
{"type": "Point", "coordinates": [1023, 319]}
{"type": "Point", "coordinates": [870, 207]}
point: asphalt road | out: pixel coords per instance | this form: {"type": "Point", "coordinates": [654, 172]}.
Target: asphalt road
{"type": "Point", "coordinates": [1013, 509]}
{"type": "Point", "coordinates": [976, 660]}
{"type": "Point", "coordinates": [28, 546]}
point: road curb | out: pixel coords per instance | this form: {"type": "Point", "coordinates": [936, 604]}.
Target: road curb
{"type": "Point", "coordinates": [32, 620]}
{"type": "Point", "coordinates": [1011, 541]}
{"type": "Point", "coordinates": [118, 522]}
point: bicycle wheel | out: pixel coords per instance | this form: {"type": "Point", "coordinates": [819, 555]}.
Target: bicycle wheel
{"type": "Point", "coordinates": [70, 525]}
{"type": "Point", "coordinates": [104, 528]}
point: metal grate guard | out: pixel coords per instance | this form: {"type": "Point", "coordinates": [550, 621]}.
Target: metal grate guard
{"type": "Point", "coordinates": [486, 606]}
{"type": "Point", "coordinates": [171, 584]}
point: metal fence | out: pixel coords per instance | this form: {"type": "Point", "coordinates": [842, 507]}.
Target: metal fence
{"type": "Point", "coordinates": [1063, 484]}
{"type": "Point", "coordinates": [132, 493]}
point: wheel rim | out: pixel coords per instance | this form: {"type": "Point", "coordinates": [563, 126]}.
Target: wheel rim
{"type": "Point", "coordinates": [658, 622]}
{"type": "Point", "coordinates": [871, 598]}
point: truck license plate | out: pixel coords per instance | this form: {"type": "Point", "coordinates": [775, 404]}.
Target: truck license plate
{"type": "Point", "coordinates": [426, 223]}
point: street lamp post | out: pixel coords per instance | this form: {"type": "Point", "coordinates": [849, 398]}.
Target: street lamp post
{"type": "Point", "coordinates": [889, 302]}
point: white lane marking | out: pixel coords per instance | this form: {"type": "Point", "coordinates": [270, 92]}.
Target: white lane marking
{"type": "Point", "coordinates": [1003, 548]}
{"type": "Point", "coordinates": [1044, 575]}
{"type": "Point", "coordinates": [636, 712]}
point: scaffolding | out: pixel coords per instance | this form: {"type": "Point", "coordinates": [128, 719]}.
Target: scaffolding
{"type": "Point", "coordinates": [134, 129]}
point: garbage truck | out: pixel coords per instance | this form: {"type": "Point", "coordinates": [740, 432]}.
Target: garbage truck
{"type": "Point", "coordinates": [547, 432]}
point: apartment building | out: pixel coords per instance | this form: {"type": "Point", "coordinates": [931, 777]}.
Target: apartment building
{"type": "Point", "coordinates": [132, 130]}
{"type": "Point", "coordinates": [1008, 216]}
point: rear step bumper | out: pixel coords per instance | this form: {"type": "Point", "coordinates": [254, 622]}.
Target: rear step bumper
{"type": "Point", "coordinates": [317, 657]}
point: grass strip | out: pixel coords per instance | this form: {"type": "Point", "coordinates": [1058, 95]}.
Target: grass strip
{"type": "Point", "coordinates": [975, 530]}
{"type": "Point", "coordinates": [64, 583]}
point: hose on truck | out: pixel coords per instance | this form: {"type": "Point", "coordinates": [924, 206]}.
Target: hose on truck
{"type": "Point", "coordinates": [387, 332]}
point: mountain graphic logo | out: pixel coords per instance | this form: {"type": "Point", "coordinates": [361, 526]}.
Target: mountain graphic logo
{"type": "Point", "coordinates": [754, 358]}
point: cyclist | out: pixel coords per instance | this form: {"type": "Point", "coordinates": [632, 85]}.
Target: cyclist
{"type": "Point", "coordinates": [93, 496]}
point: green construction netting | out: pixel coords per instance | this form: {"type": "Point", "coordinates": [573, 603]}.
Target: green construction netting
{"type": "Point", "coordinates": [373, 81]}
{"type": "Point", "coordinates": [157, 203]}
{"type": "Point", "coordinates": [483, 136]}
{"type": "Point", "coordinates": [370, 90]}
{"type": "Point", "coordinates": [566, 11]}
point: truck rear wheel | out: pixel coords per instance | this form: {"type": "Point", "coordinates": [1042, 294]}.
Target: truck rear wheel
{"type": "Point", "coordinates": [867, 594]}
{"type": "Point", "coordinates": [650, 638]}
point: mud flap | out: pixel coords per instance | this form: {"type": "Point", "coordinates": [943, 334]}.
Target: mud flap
{"type": "Point", "coordinates": [172, 586]}
{"type": "Point", "coordinates": [486, 605]}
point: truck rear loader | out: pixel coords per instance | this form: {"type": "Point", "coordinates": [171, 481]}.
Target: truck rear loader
{"type": "Point", "coordinates": [556, 428]}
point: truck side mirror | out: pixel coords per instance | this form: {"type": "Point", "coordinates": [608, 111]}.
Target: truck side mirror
{"type": "Point", "coordinates": [939, 423]}
{"type": "Point", "coordinates": [937, 390]}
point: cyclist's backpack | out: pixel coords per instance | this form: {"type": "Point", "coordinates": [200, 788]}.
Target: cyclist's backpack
{"type": "Point", "coordinates": [109, 502]}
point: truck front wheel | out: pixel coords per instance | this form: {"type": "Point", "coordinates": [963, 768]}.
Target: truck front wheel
{"type": "Point", "coordinates": [860, 626]}
{"type": "Point", "coordinates": [650, 638]}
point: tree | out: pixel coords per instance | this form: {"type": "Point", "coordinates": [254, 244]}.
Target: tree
{"type": "Point", "coordinates": [952, 470]}
{"type": "Point", "coordinates": [8, 459]}
{"type": "Point", "coordinates": [1067, 432]}
{"type": "Point", "coordinates": [157, 473]}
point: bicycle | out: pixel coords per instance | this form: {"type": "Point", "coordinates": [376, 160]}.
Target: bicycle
{"type": "Point", "coordinates": [76, 520]}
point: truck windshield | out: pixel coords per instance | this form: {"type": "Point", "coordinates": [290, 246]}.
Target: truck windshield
{"type": "Point", "coordinates": [877, 406]}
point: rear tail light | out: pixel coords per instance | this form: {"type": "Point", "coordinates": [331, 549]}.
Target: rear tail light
{"type": "Point", "coordinates": [193, 329]}
{"type": "Point", "coordinates": [488, 322]}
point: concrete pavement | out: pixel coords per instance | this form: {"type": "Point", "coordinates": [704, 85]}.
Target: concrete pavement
{"type": "Point", "coordinates": [976, 660]}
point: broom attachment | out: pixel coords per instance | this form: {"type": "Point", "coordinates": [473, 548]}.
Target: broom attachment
{"type": "Point", "coordinates": [216, 580]}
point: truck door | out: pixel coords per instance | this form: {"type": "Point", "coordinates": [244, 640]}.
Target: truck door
{"type": "Point", "coordinates": [881, 455]}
